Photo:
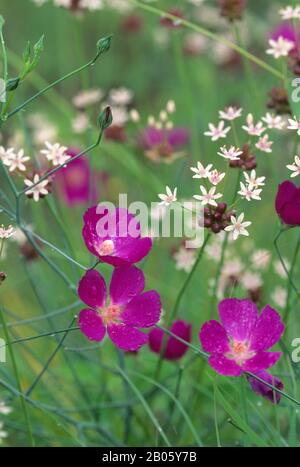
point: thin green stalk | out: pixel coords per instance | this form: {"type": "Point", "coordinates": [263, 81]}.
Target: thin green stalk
{"type": "Point", "coordinates": [18, 380]}
{"type": "Point", "coordinates": [210, 35]}
{"type": "Point", "coordinates": [290, 279]}
{"type": "Point", "coordinates": [63, 78]}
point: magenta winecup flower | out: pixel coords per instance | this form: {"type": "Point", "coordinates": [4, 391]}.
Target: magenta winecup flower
{"type": "Point", "coordinates": [126, 308]}
{"type": "Point", "coordinates": [263, 390]}
{"type": "Point", "coordinates": [115, 236]}
{"type": "Point", "coordinates": [174, 349]}
{"type": "Point", "coordinates": [287, 203]}
{"type": "Point", "coordinates": [241, 341]}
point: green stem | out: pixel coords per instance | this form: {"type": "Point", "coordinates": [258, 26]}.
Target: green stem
{"type": "Point", "coordinates": [290, 279]}
{"type": "Point", "coordinates": [18, 381]}
{"type": "Point", "coordinates": [210, 35]}
{"type": "Point", "coordinates": [55, 83]}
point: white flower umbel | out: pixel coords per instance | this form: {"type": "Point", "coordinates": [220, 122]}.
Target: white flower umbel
{"type": "Point", "coordinates": [37, 191]}
{"type": "Point", "coordinates": [230, 113]}
{"type": "Point", "coordinates": [232, 153]}
{"type": "Point", "coordinates": [55, 153]}
{"type": "Point", "coordinates": [251, 128]}
{"type": "Point", "coordinates": [201, 171]}
{"type": "Point", "coordinates": [280, 47]}
{"type": "Point", "coordinates": [290, 12]}
{"type": "Point", "coordinates": [238, 227]}
{"type": "Point", "coordinates": [279, 296]}
{"type": "Point", "coordinates": [264, 144]}
{"type": "Point", "coordinates": [273, 121]}
{"type": "Point", "coordinates": [251, 280]}
{"type": "Point", "coordinates": [6, 232]}
{"type": "Point", "coordinates": [294, 124]}
{"type": "Point", "coordinates": [208, 197]}
{"type": "Point", "coordinates": [249, 193]}
{"type": "Point", "coordinates": [88, 97]}
{"type": "Point", "coordinates": [168, 198]}
{"type": "Point", "coordinates": [295, 167]}
{"type": "Point", "coordinates": [16, 161]}
{"type": "Point", "coordinates": [252, 180]}
{"type": "Point", "coordinates": [217, 132]}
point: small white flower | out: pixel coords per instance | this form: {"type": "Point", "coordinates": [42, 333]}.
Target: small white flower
{"type": "Point", "coordinates": [273, 121]}
{"type": "Point", "coordinates": [261, 259]}
{"type": "Point", "coordinates": [295, 167]}
{"type": "Point", "coordinates": [134, 116]}
{"type": "Point", "coordinates": [251, 128]}
{"type": "Point", "coordinates": [253, 181]}
{"type": "Point", "coordinates": [16, 161]}
{"type": "Point", "coordinates": [38, 190]}
{"type": "Point", "coordinates": [4, 409]}
{"type": "Point", "coordinates": [171, 107]}
{"type": "Point", "coordinates": [232, 153]}
{"type": "Point", "coordinates": [215, 177]}
{"type": "Point", "coordinates": [55, 153]}
{"type": "Point", "coordinates": [249, 193]}
{"type": "Point", "coordinates": [92, 5]}
{"type": "Point", "coordinates": [238, 227]}
{"type": "Point", "coordinates": [264, 144]}
{"type": "Point", "coordinates": [217, 132]}
{"type": "Point", "coordinates": [279, 296]}
{"type": "Point", "coordinates": [251, 280]}
{"type": "Point", "coordinates": [168, 198]}
{"type": "Point", "coordinates": [185, 259]}
{"type": "Point", "coordinates": [6, 154]}
{"type": "Point", "coordinates": [80, 123]}
{"type": "Point", "coordinates": [290, 12]}
{"type": "Point", "coordinates": [86, 98]}
{"type": "Point", "coordinates": [120, 97]}
{"type": "Point", "coordinates": [279, 269]}
{"type": "Point", "coordinates": [280, 47]}
{"type": "Point", "coordinates": [208, 197]}
{"type": "Point", "coordinates": [6, 232]}
{"type": "Point", "coordinates": [230, 113]}
{"type": "Point", "coordinates": [201, 171]}
{"type": "Point", "coordinates": [294, 124]}
{"type": "Point", "coordinates": [120, 115]}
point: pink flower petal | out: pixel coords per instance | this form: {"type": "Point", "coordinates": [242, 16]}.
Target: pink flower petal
{"type": "Point", "coordinates": [174, 348]}
{"type": "Point", "coordinates": [224, 366]}
{"type": "Point", "coordinates": [267, 330]}
{"type": "Point", "coordinates": [238, 317]}
{"type": "Point", "coordinates": [213, 338]}
{"type": "Point", "coordinates": [92, 289]}
{"type": "Point", "coordinates": [91, 325]}
{"type": "Point", "coordinates": [126, 283]}
{"type": "Point", "coordinates": [261, 361]}
{"type": "Point", "coordinates": [143, 311]}
{"type": "Point", "coordinates": [126, 338]}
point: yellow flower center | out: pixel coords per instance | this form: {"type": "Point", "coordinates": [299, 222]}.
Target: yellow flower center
{"type": "Point", "coordinates": [110, 314]}
{"type": "Point", "coordinates": [239, 352]}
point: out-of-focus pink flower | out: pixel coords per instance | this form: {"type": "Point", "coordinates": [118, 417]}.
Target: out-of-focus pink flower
{"type": "Point", "coordinates": [241, 341]}
{"type": "Point", "coordinates": [263, 390]}
{"type": "Point", "coordinates": [172, 23]}
{"type": "Point", "coordinates": [163, 144]}
{"type": "Point", "coordinates": [284, 30]}
{"type": "Point", "coordinates": [76, 183]}
{"type": "Point", "coordinates": [115, 236]}
{"type": "Point", "coordinates": [127, 310]}
{"type": "Point", "coordinates": [174, 349]}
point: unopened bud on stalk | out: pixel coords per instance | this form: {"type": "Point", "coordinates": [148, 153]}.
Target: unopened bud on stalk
{"type": "Point", "coordinates": [105, 118]}
{"type": "Point", "coordinates": [103, 45]}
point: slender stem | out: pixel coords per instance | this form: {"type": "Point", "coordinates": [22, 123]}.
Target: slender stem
{"type": "Point", "coordinates": [210, 35]}
{"type": "Point", "coordinates": [291, 282]}
{"type": "Point", "coordinates": [18, 381]}
{"type": "Point", "coordinates": [55, 83]}
{"type": "Point", "coordinates": [291, 275]}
